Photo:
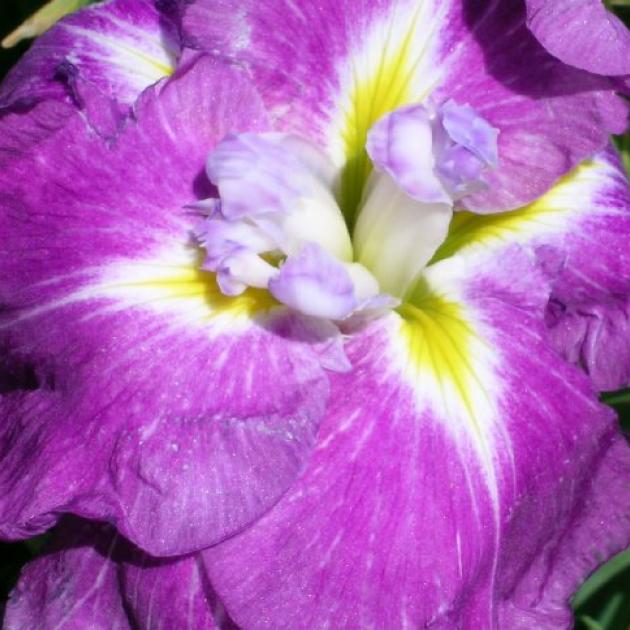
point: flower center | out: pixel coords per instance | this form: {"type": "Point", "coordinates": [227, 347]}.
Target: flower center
{"type": "Point", "coordinates": [276, 224]}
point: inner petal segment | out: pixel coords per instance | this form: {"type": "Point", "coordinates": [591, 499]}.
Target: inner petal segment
{"type": "Point", "coordinates": [276, 225]}
{"type": "Point", "coordinates": [425, 158]}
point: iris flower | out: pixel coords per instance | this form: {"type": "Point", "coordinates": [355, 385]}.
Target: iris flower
{"type": "Point", "coordinates": [295, 304]}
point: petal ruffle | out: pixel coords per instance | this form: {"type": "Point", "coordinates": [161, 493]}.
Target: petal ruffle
{"type": "Point", "coordinates": [161, 406]}
{"type": "Point", "coordinates": [74, 585]}
{"type": "Point", "coordinates": [455, 465]}
{"type": "Point", "coordinates": [90, 577]}
{"type": "Point", "coordinates": [103, 56]}
{"type": "Point", "coordinates": [597, 529]}
{"type": "Point", "coordinates": [595, 337]}
{"type": "Point", "coordinates": [582, 33]}
{"type": "Point", "coordinates": [578, 232]}
{"type": "Point", "coordinates": [371, 57]}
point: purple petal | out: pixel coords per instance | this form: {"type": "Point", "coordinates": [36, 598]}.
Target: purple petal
{"type": "Point", "coordinates": [411, 514]}
{"type": "Point", "coordinates": [162, 407]}
{"type": "Point", "coordinates": [578, 233]}
{"type": "Point", "coordinates": [595, 337]}
{"type": "Point", "coordinates": [481, 54]}
{"type": "Point", "coordinates": [90, 577]}
{"type": "Point", "coordinates": [401, 144]}
{"type": "Point", "coordinates": [466, 128]}
{"type": "Point", "coordinates": [315, 283]}
{"type": "Point", "coordinates": [115, 49]}
{"type": "Point", "coordinates": [597, 530]}
{"type": "Point", "coordinates": [74, 585]}
{"type": "Point", "coordinates": [582, 33]}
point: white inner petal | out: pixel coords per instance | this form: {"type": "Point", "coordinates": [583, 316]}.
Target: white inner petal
{"type": "Point", "coordinates": [395, 235]}
{"type": "Point", "coordinates": [365, 284]}
{"type": "Point", "coordinates": [250, 269]}
{"type": "Point", "coordinates": [318, 219]}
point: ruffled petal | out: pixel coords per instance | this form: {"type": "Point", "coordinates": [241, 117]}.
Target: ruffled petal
{"type": "Point", "coordinates": [582, 33]}
{"type": "Point", "coordinates": [595, 337]}
{"type": "Point", "coordinates": [160, 405]}
{"type": "Point", "coordinates": [161, 595]}
{"type": "Point", "coordinates": [578, 232]}
{"type": "Point", "coordinates": [596, 530]}
{"type": "Point", "coordinates": [454, 466]}
{"type": "Point", "coordinates": [74, 585]}
{"type": "Point", "coordinates": [371, 57]}
{"type": "Point", "coordinates": [90, 577]}
{"type": "Point", "coordinates": [102, 57]}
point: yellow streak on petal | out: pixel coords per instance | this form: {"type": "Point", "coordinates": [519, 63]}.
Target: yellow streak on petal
{"type": "Point", "coordinates": [445, 350]}
{"type": "Point", "coordinates": [193, 290]}
{"type": "Point", "coordinates": [42, 20]}
{"type": "Point", "coordinates": [550, 213]}
{"type": "Point", "coordinates": [387, 85]}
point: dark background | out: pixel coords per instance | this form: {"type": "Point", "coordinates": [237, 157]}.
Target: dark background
{"type": "Point", "coordinates": [12, 14]}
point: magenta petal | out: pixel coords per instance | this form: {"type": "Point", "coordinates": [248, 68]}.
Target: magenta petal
{"type": "Point", "coordinates": [397, 522]}
{"type": "Point", "coordinates": [597, 529]}
{"type": "Point", "coordinates": [159, 408]}
{"type": "Point", "coordinates": [582, 33]}
{"type": "Point", "coordinates": [476, 53]}
{"type": "Point", "coordinates": [73, 585]}
{"type": "Point", "coordinates": [588, 315]}
{"type": "Point", "coordinates": [595, 337]}
{"type": "Point", "coordinates": [578, 232]}
{"type": "Point", "coordinates": [91, 577]}
{"type": "Point", "coordinates": [111, 51]}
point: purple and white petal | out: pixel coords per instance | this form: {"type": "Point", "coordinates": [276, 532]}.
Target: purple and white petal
{"type": "Point", "coordinates": [282, 184]}
{"type": "Point", "coordinates": [102, 56]}
{"type": "Point", "coordinates": [401, 145]}
{"type": "Point", "coordinates": [578, 232]}
{"type": "Point", "coordinates": [315, 283]}
{"type": "Point", "coordinates": [276, 225]}
{"type": "Point", "coordinates": [163, 407]}
{"type": "Point", "coordinates": [450, 485]}
{"type": "Point", "coordinates": [582, 33]}
{"type": "Point", "coordinates": [372, 57]}
{"type": "Point", "coordinates": [436, 155]}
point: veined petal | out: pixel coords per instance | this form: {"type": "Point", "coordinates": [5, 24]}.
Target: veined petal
{"type": "Point", "coordinates": [91, 577]}
{"type": "Point", "coordinates": [454, 467]}
{"type": "Point", "coordinates": [582, 33]}
{"type": "Point", "coordinates": [596, 337]}
{"type": "Point", "coordinates": [74, 585]}
{"type": "Point", "coordinates": [111, 51]}
{"type": "Point", "coordinates": [578, 232]}
{"type": "Point", "coordinates": [371, 57]}
{"type": "Point", "coordinates": [161, 405]}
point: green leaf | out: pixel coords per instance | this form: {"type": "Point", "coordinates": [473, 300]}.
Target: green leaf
{"type": "Point", "coordinates": [42, 20]}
